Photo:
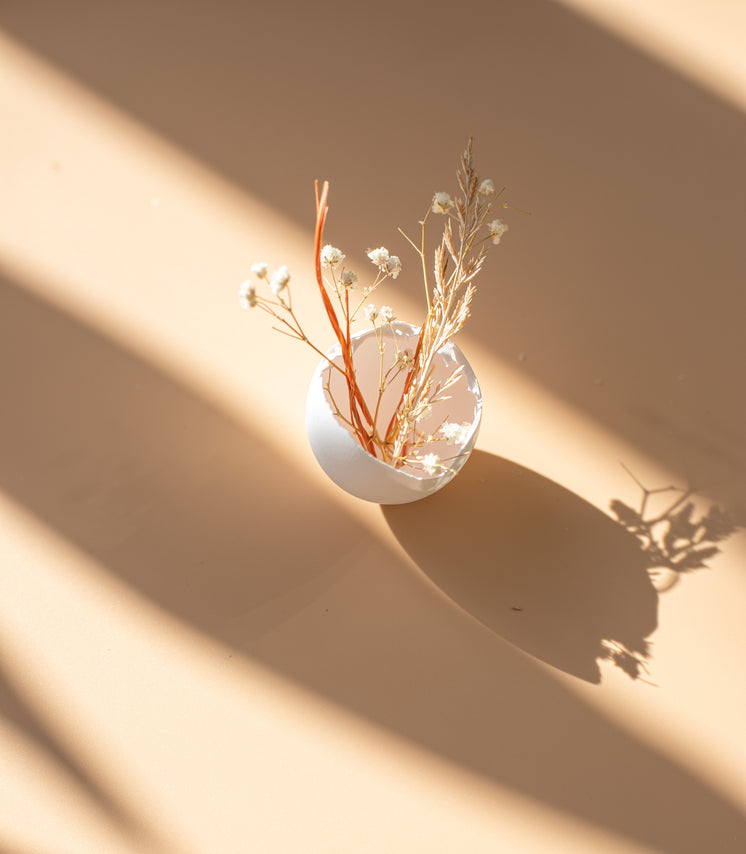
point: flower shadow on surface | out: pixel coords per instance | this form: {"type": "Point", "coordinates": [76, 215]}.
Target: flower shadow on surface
{"type": "Point", "coordinates": [680, 534]}
{"type": "Point", "coordinates": [122, 461]}
{"type": "Point", "coordinates": [552, 574]}
{"type": "Point", "coordinates": [534, 563]}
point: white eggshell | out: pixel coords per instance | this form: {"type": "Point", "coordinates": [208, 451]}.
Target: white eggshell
{"type": "Point", "coordinates": [338, 451]}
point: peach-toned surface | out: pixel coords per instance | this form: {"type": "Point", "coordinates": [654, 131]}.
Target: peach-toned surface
{"type": "Point", "coordinates": [204, 645]}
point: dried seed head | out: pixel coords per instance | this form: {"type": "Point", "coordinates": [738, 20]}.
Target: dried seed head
{"type": "Point", "coordinates": [380, 257]}
{"type": "Point", "coordinates": [247, 294]}
{"type": "Point", "coordinates": [431, 463]}
{"type": "Point", "coordinates": [348, 280]}
{"type": "Point", "coordinates": [442, 203]}
{"type": "Point", "coordinates": [497, 228]}
{"type": "Point", "coordinates": [331, 256]}
{"type": "Point", "coordinates": [393, 266]}
{"type": "Point", "coordinates": [279, 280]}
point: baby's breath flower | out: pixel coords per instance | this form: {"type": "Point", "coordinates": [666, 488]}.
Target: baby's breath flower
{"type": "Point", "coordinates": [380, 257]}
{"type": "Point", "coordinates": [497, 228]}
{"type": "Point", "coordinates": [247, 294]}
{"type": "Point", "coordinates": [442, 203]}
{"type": "Point", "coordinates": [387, 313]}
{"type": "Point", "coordinates": [348, 279]}
{"type": "Point", "coordinates": [487, 186]}
{"type": "Point", "coordinates": [424, 413]}
{"type": "Point", "coordinates": [331, 256]}
{"type": "Point", "coordinates": [455, 432]}
{"type": "Point", "coordinates": [279, 280]}
{"type": "Point", "coordinates": [393, 266]}
{"type": "Point", "coordinates": [371, 313]}
{"type": "Point", "coordinates": [260, 270]}
{"type": "Point", "coordinates": [431, 463]}
{"type": "Point", "coordinates": [405, 358]}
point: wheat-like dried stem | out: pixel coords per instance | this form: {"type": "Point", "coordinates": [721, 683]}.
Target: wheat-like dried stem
{"type": "Point", "coordinates": [452, 295]}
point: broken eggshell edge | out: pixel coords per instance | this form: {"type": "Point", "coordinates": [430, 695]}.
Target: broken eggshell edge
{"type": "Point", "coordinates": [356, 471]}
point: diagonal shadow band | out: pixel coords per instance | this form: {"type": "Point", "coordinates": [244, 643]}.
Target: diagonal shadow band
{"type": "Point", "coordinates": [21, 714]}
{"type": "Point", "coordinates": [535, 563]}
{"type": "Point", "coordinates": [175, 498]}
{"type": "Point", "coordinates": [625, 287]}
{"type": "Point", "coordinates": [188, 507]}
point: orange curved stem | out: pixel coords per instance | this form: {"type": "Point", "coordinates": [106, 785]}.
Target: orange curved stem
{"type": "Point", "coordinates": [357, 402]}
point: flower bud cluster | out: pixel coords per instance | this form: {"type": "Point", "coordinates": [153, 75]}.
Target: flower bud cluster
{"type": "Point", "coordinates": [431, 463]}
{"type": "Point", "coordinates": [388, 264]}
{"type": "Point", "coordinates": [442, 203]}
{"type": "Point", "coordinates": [247, 294]}
{"type": "Point", "coordinates": [496, 229]}
{"type": "Point", "coordinates": [455, 433]}
{"type": "Point", "coordinates": [278, 280]}
{"type": "Point", "coordinates": [331, 256]}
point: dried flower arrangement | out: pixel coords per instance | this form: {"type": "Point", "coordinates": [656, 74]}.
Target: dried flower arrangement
{"type": "Point", "coordinates": [398, 439]}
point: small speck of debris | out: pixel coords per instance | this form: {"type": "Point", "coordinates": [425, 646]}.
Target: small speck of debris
{"type": "Point", "coordinates": [56, 167]}
{"type": "Point", "coordinates": [515, 608]}
{"type": "Point", "coordinates": [482, 480]}
{"type": "Point", "coordinates": [155, 202]}
{"type": "Point", "coordinates": [522, 357]}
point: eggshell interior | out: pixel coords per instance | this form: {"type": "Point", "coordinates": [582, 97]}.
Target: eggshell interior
{"type": "Point", "coordinates": [337, 449]}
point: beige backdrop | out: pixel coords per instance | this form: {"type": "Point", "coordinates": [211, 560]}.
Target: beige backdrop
{"type": "Point", "coordinates": [204, 645]}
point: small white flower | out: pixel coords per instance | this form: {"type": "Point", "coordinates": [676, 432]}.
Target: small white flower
{"type": "Point", "coordinates": [405, 358]}
{"type": "Point", "coordinates": [431, 463]}
{"type": "Point", "coordinates": [393, 266]}
{"type": "Point", "coordinates": [371, 313]}
{"type": "Point", "coordinates": [497, 228]}
{"type": "Point", "coordinates": [448, 431]}
{"type": "Point", "coordinates": [279, 280]}
{"type": "Point", "coordinates": [387, 313]}
{"type": "Point", "coordinates": [424, 413]}
{"type": "Point", "coordinates": [455, 432]}
{"type": "Point", "coordinates": [487, 186]}
{"type": "Point", "coordinates": [331, 256]}
{"type": "Point", "coordinates": [380, 257]}
{"type": "Point", "coordinates": [442, 203]}
{"type": "Point", "coordinates": [348, 279]}
{"type": "Point", "coordinates": [247, 294]}
{"type": "Point", "coordinates": [260, 270]}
